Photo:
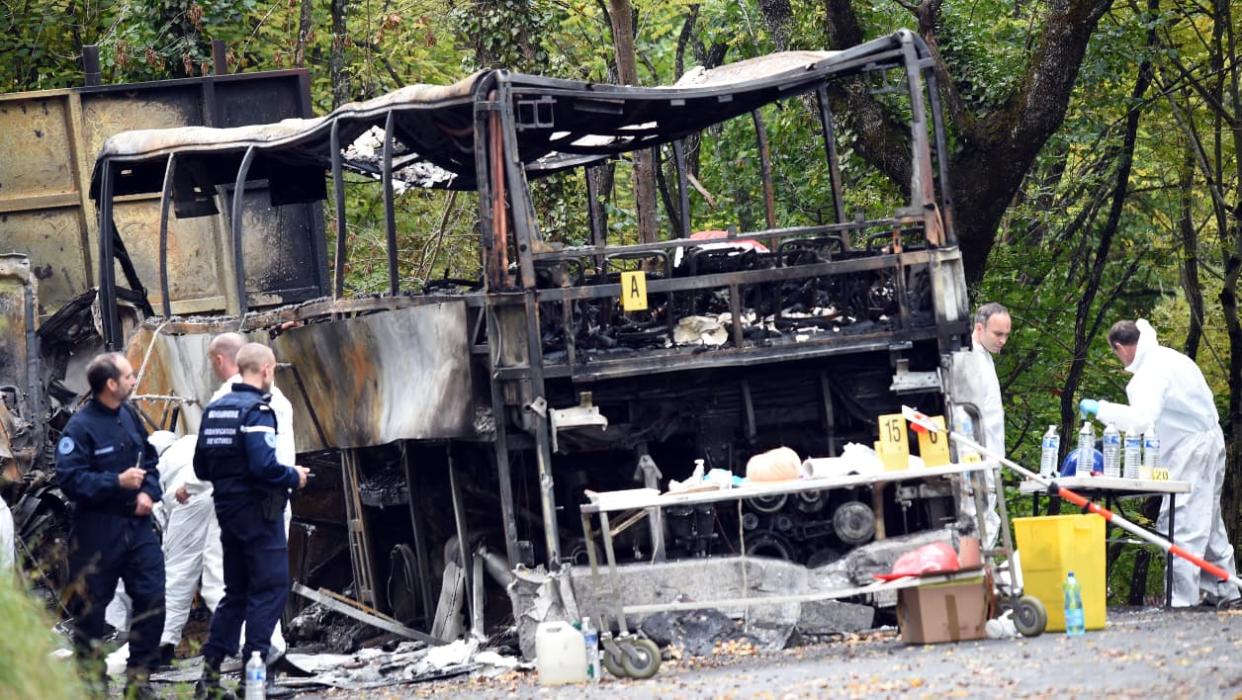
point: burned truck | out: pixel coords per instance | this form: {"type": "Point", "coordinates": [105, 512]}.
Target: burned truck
{"type": "Point", "coordinates": [467, 416]}
{"type": "Point", "coordinates": [49, 274]}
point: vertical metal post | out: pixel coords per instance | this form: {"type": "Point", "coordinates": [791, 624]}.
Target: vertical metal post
{"type": "Point", "coordinates": [598, 236]}
{"type": "Point", "coordinates": [459, 522]}
{"type": "Point", "coordinates": [942, 161]}
{"type": "Point", "coordinates": [90, 65]}
{"type": "Point", "coordinates": [485, 125]}
{"type": "Point", "coordinates": [683, 184]}
{"type": "Point", "coordinates": [500, 218]}
{"type": "Point", "coordinates": [356, 531]}
{"type": "Point", "coordinates": [830, 416]}
{"type": "Point", "coordinates": [765, 170]}
{"type": "Point", "coordinates": [239, 259]}
{"type": "Point", "coordinates": [922, 188]}
{"type": "Point", "coordinates": [338, 190]}
{"type": "Point", "coordinates": [830, 147]}
{"type": "Point", "coordinates": [482, 168]}
{"type": "Point", "coordinates": [420, 540]}
{"type": "Point", "coordinates": [524, 229]}
{"type": "Point", "coordinates": [165, 204]}
{"type": "Point", "coordinates": [220, 58]}
{"type": "Point", "coordinates": [390, 217]}
{"type": "Point", "coordinates": [107, 271]}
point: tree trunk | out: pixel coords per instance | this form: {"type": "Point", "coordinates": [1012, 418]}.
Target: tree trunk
{"type": "Point", "coordinates": [336, 61]}
{"type": "Point", "coordinates": [1231, 250]}
{"type": "Point", "coordinates": [1190, 253]}
{"type": "Point", "coordinates": [304, 30]}
{"type": "Point", "coordinates": [620, 13]}
{"type": "Point", "coordinates": [995, 148]}
{"type": "Point", "coordinates": [1085, 329]}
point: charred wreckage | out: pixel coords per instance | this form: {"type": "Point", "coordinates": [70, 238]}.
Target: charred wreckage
{"type": "Point", "coordinates": [462, 422]}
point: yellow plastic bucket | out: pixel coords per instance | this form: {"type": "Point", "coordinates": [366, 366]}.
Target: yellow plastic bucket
{"type": "Point", "coordinates": [1055, 545]}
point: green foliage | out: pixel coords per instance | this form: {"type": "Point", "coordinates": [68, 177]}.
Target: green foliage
{"type": "Point", "coordinates": [27, 669]}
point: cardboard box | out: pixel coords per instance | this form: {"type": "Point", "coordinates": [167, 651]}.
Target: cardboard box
{"type": "Point", "coordinates": [943, 612]}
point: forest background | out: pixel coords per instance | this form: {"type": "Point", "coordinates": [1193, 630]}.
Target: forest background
{"type": "Point", "coordinates": [1094, 146]}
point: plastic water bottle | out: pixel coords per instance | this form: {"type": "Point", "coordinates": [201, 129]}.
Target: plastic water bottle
{"type": "Point", "coordinates": [1086, 449]}
{"type": "Point", "coordinates": [1112, 451]}
{"type": "Point", "coordinates": [1048, 453]}
{"type": "Point", "coordinates": [1075, 623]}
{"type": "Point", "coordinates": [1134, 453]}
{"type": "Point", "coordinates": [256, 677]}
{"type": "Point", "coordinates": [1151, 453]}
{"type": "Point", "coordinates": [590, 637]}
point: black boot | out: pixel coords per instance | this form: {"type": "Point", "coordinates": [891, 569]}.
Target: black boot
{"type": "Point", "coordinates": [167, 652]}
{"type": "Point", "coordinates": [208, 686]}
{"type": "Point", "coordinates": [138, 685]}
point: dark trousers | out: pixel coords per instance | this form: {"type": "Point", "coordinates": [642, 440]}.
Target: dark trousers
{"type": "Point", "coordinates": [256, 582]}
{"type": "Point", "coordinates": [107, 547]}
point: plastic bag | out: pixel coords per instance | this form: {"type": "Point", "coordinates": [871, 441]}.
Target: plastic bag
{"type": "Point", "coordinates": [934, 558]}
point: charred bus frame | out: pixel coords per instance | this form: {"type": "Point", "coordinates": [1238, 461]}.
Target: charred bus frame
{"type": "Point", "coordinates": [493, 131]}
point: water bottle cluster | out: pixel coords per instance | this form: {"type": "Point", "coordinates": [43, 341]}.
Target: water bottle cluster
{"type": "Point", "coordinates": [1132, 456]}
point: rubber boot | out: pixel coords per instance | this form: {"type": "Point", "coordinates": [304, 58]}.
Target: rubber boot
{"type": "Point", "coordinates": [138, 685]}
{"type": "Point", "coordinates": [208, 686]}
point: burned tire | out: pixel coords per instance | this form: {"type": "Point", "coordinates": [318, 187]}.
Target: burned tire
{"type": "Point", "coordinates": [1030, 616]}
{"type": "Point", "coordinates": [612, 662]}
{"type": "Point", "coordinates": [647, 662]}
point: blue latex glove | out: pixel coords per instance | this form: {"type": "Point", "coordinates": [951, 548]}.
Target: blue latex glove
{"type": "Point", "coordinates": [1088, 408]}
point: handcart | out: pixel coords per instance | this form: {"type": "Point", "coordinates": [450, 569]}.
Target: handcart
{"type": "Point", "coordinates": [629, 655]}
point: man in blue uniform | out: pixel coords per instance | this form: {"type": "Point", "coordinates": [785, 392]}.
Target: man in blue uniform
{"type": "Point", "coordinates": [106, 467]}
{"type": "Point", "coordinates": [236, 452]}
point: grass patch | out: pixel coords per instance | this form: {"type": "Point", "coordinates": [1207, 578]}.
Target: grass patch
{"type": "Point", "coordinates": [27, 669]}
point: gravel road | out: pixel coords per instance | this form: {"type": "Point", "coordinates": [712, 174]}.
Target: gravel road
{"type": "Point", "coordinates": [1141, 654]}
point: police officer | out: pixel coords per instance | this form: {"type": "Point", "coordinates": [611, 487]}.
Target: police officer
{"type": "Point", "coordinates": [236, 452]}
{"type": "Point", "coordinates": [106, 467]}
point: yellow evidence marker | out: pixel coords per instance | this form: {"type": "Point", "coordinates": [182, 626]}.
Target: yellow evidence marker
{"type": "Point", "coordinates": [894, 444]}
{"type": "Point", "coordinates": [934, 446]}
{"type": "Point", "coordinates": [634, 291]}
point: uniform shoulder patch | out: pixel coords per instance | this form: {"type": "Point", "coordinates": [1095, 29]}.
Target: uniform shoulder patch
{"type": "Point", "coordinates": [270, 439]}
{"type": "Point", "coordinates": [66, 445]}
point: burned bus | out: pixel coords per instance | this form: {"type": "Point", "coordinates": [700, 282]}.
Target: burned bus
{"type": "Point", "coordinates": [473, 414]}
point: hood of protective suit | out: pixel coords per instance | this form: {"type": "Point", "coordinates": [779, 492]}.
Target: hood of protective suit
{"type": "Point", "coordinates": [161, 440]}
{"type": "Point", "coordinates": [1147, 343]}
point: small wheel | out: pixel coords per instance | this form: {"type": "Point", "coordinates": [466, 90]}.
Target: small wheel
{"type": "Point", "coordinates": [1030, 616]}
{"type": "Point", "coordinates": [645, 661]}
{"type": "Point", "coordinates": [612, 662]}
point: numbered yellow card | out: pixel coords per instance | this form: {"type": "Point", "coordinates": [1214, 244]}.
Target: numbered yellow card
{"type": "Point", "coordinates": [634, 291]}
{"type": "Point", "coordinates": [894, 443]}
{"type": "Point", "coordinates": [933, 446]}
{"type": "Point", "coordinates": [1160, 474]}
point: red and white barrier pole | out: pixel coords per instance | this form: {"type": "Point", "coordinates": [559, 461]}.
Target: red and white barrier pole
{"type": "Point", "coordinates": [922, 424]}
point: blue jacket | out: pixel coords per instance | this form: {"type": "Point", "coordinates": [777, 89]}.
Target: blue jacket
{"type": "Point", "coordinates": [97, 445]}
{"type": "Point", "coordinates": [236, 449]}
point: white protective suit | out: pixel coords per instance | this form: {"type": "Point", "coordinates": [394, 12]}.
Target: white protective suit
{"type": "Point", "coordinates": [1168, 390]}
{"type": "Point", "coordinates": [8, 543]}
{"type": "Point", "coordinates": [185, 527]}
{"type": "Point", "coordinates": [974, 381]}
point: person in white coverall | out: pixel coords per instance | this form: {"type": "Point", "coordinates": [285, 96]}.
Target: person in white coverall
{"type": "Point", "coordinates": [186, 528]}
{"type": "Point", "coordinates": [1168, 391]}
{"type": "Point", "coordinates": [977, 383]}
